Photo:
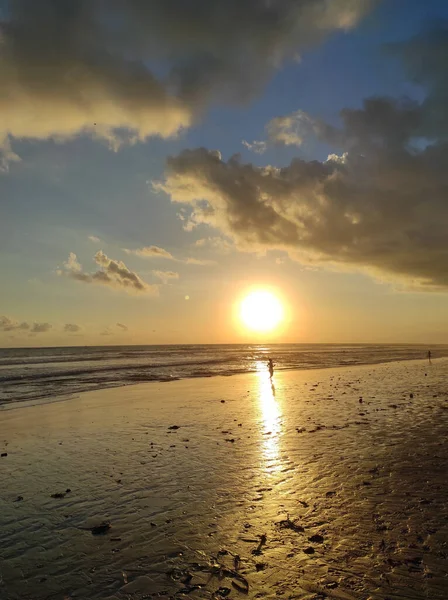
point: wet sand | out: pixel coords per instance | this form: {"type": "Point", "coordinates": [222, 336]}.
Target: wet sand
{"type": "Point", "coordinates": [299, 490]}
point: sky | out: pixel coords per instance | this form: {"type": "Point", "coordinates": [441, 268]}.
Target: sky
{"type": "Point", "coordinates": [160, 160]}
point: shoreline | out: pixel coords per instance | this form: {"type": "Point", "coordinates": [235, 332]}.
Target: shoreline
{"type": "Point", "coordinates": [13, 405]}
{"type": "Point", "coordinates": [340, 473]}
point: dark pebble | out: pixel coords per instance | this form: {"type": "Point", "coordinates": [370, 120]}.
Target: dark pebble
{"type": "Point", "coordinates": [18, 499]}
{"type": "Point", "coordinates": [4, 454]}
{"type": "Point", "coordinates": [174, 427]}
{"type": "Point", "coordinates": [223, 401]}
{"type": "Point", "coordinates": [100, 529]}
{"type": "Point", "coordinates": [309, 550]}
{"type": "Point", "coordinates": [318, 539]}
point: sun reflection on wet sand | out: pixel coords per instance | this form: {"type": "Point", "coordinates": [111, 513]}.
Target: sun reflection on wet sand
{"type": "Point", "coordinates": [271, 418]}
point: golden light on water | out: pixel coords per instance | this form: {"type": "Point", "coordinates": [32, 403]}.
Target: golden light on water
{"type": "Point", "coordinates": [261, 311]}
{"type": "Point", "coordinates": [271, 417]}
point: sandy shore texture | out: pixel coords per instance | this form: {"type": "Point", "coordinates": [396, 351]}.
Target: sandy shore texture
{"type": "Point", "coordinates": [328, 484]}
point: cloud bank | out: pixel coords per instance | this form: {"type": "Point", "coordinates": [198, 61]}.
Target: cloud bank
{"type": "Point", "coordinates": [72, 328]}
{"type": "Point", "coordinates": [112, 273]}
{"type": "Point", "coordinates": [128, 69]}
{"type": "Point", "coordinates": [7, 324]}
{"type": "Point", "coordinates": [379, 204]}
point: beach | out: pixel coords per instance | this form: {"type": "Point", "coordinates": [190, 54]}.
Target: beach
{"type": "Point", "coordinates": [329, 483]}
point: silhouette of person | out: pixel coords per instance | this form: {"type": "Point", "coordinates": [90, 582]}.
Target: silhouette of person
{"type": "Point", "coordinates": [271, 367]}
{"type": "Point", "coordinates": [429, 357]}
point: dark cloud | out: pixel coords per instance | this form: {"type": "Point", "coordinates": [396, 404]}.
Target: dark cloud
{"type": "Point", "coordinates": [40, 327]}
{"type": "Point", "coordinates": [89, 66]}
{"type": "Point", "coordinates": [122, 326]}
{"type": "Point", "coordinates": [380, 204]}
{"type": "Point", "coordinates": [113, 273]}
{"type": "Point", "coordinates": [7, 324]}
{"type": "Point", "coordinates": [72, 328]}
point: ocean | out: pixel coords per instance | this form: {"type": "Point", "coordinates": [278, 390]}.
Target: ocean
{"type": "Point", "coordinates": [43, 374]}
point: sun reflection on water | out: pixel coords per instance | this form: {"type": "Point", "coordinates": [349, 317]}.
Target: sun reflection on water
{"type": "Point", "coordinates": [271, 417]}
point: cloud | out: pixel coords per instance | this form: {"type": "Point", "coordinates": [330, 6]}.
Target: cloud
{"type": "Point", "coordinates": [291, 129]}
{"type": "Point", "coordinates": [7, 324]}
{"type": "Point", "coordinates": [67, 71]}
{"type": "Point", "coordinates": [156, 252]}
{"type": "Point", "coordinates": [40, 327]}
{"type": "Point", "coordinates": [165, 276]}
{"type": "Point", "coordinates": [216, 243]}
{"type": "Point", "coordinates": [257, 146]}
{"type": "Point", "coordinates": [106, 331]}
{"type": "Point", "coordinates": [94, 239]}
{"type": "Point", "coordinates": [150, 252]}
{"type": "Point", "coordinates": [199, 261]}
{"type": "Point", "coordinates": [379, 204]}
{"type": "Point", "coordinates": [112, 273]}
{"type": "Point", "coordinates": [122, 327]}
{"type": "Point", "coordinates": [72, 328]}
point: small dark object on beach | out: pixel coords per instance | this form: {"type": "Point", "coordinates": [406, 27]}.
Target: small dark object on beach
{"type": "Point", "coordinates": [316, 538]}
{"type": "Point", "coordinates": [4, 454]}
{"type": "Point", "coordinates": [58, 495]}
{"type": "Point", "coordinates": [18, 499]}
{"type": "Point", "coordinates": [222, 592]}
{"type": "Point", "coordinates": [100, 529]}
{"type": "Point", "coordinates": [360, 400]}
{"type": "Point", "coordinates": [288, 524]}
{"type": "Point", "coordinates": [231, 440]}
{"type": "Point", "coordinates": [115, 539]}
{"type": "Point", "coordinates": [68, 490]}
{"type": "Point", "coordinates": [153, 524]}
{"type": "Point", "coordinates": [262, 542]}
{"type": "Point", "coordinates": [309, 550]}
{"type": "Point", "coordinates": [330, 494]}
{"type": "Point", "coordinates": [174, 427]}
{"type": "Point", "coordinates": [411, 395]}
{"type": "Point", "coordinates": [260, 566]}
{"type": "Point", "coordinates": [223, 401]}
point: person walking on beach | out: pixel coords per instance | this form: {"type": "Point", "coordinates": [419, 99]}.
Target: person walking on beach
{"type": "Point", "coordinates": [271, 367]}
{"type": "Point", "coordinates": [429, 357]}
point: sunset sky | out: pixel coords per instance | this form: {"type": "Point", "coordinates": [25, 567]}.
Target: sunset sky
{"type": "Point", "coordinates": [161, 159]}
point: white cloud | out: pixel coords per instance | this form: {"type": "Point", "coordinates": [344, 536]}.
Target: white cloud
{"type": "Point", "coordinates": [257, 146]}
{"type": "Point", "coordinates": [94, 239]}
{"type": "Point", "coordinates": [150, 252]}
{"type": "Point", "coordinates": [165, 276]}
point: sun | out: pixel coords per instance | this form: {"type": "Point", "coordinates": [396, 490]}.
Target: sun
{"type": "Point", "coordinates": [261, 311]}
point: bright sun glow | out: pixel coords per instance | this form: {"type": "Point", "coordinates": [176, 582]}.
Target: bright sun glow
{"type": "Point", "coordinates": [261, 311]}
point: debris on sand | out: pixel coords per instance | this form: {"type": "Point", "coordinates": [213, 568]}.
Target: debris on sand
{"type": "Point", "coordinates": [288, 524]}
{"type": "Point", "coordinates": [4, 454]}
{"type": "Point", "coordinates": [316, 538]}
{"type": "Point", "coordinates": [223, 401]}
{"type": "Point", "coordinates": [309, 550]}
{"type": "Point", "coordinates": [222, 592]}
{"type": "Point", "coordinates": [262, 542]}
{"type": "Point", "coordinates": [174, 427]}
{"type": "Point", "coordinates": [18, 499]}
{"type": "Point", "coordinates": [58, 495]}
{"type": "Point", "coordinates": [100, 529]}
